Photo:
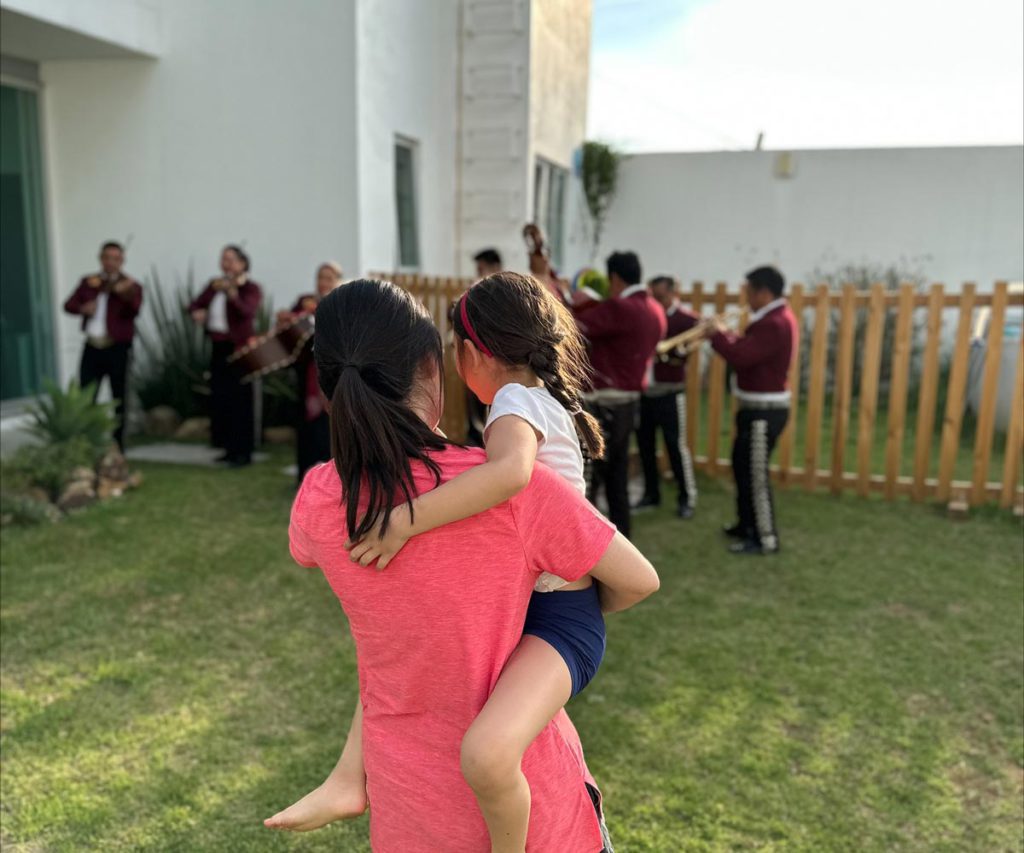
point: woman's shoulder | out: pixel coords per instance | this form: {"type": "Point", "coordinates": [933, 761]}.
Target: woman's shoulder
{"type": "Point", "coordinates": [320, 485]}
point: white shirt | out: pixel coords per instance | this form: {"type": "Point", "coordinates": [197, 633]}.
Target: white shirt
{"type": "Point", "coordinates": [767, 309]}
{"type": "Point", "coordinates": [558, 445]}
{"type": "Point", "coordinates": [217, 317]}
{"type": "Point", "coordinates": [633, 288]}
{"type": "Point", "coordinates": [96, 327]}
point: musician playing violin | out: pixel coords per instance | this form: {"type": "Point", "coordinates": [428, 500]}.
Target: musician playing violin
{"type": "Point", "coordinates": [108, 303]}
{"type": "Point", "coordinates": [227, 310]}
{"type": "Point", "coordinates": [312, 428]}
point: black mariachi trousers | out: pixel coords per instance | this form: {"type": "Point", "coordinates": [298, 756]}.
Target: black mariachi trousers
{"type": "Point", "coordinates": [757, 430]}
{"type": "Point", "coordinates": [617, 424]}
{"type": "Point", "coordinates": [111, 362]}
{"type": "Point", "coordinates": [232, 418]}
{"type": "Point", "coordinates": [666, 412]}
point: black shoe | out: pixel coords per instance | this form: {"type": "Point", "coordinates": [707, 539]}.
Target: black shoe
{"type": "Point", "coordinates": [736, 531]}
{"type": "Point", "coordinates": [646, 502]}
{"type": "Point", "coordinates": [239, 461]}
{"type": "Point", "coordinates": [685, 511]}
{"type": "Point", "coordinates": [751, 548]}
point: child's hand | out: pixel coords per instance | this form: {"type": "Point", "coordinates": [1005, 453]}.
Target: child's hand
{"type": "Point", "coordinates": [373, 546]}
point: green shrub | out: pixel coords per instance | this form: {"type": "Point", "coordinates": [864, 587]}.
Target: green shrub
{"type": "Point", "coordinates": [25, 510]}
{"type": "Point", "coordinates": [48, 466]}
{"type": "Point", "coordinates": [61, 416]}
{"type": "Point", "coordinates": [174, 354]}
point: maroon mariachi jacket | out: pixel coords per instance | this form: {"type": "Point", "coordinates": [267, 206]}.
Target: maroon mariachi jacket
{"type": "Point", "coordinates": [761, 356]}
{"type": "Point", "coordinates": [241, 310]}
{"type": "Point", "coordinates": [122, 308]}
{"type": "Point", "coordinates": [673, 371]}
{"type": "Point", "coordinates": [623, 332]}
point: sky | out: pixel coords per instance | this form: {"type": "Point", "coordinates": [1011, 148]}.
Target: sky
{"type": "Point", "coordinates": [707, 75]}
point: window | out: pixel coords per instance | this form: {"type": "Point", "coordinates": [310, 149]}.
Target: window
{"type": "Point", "coordinates": [26, 320]}
{"type": "Point", "coordinates": [549, 190]}
{"type": "Point", "coordinates": [405, 204]}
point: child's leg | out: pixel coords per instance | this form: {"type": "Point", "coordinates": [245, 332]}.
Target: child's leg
{"type": "Point", "coordinates": [342, 794]}
{"type": "Point", "coordinates": [534, 684]}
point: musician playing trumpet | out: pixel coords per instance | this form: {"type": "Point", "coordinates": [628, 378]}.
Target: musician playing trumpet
{"type": "Point", "coordinates": [761, 360]}
{"type": "Point", "coordinates": [663, 406]}
{"type": "Point", "coordinates": [227, 310]}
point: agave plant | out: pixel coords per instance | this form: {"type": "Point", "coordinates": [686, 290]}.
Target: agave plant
{"type": "Point", "coordinates": [61, 416]}
{"type": "Point", "coordinates": [173, 352]}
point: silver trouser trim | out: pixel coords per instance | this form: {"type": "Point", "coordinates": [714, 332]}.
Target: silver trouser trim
{"type": "Point", "coordinates": [762, 498]}
{"type": "Point", "coordinates": [762, 405]}
{"type": "Point", "coordinates": [684, 451]}
{"type": "Point", "coordinates": [611, 397]}
{"type": "Point", "coordinates": [662, 389]}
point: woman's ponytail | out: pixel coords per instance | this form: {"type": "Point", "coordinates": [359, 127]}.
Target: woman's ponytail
{"type": "Point", "coordinates": [372, 343]}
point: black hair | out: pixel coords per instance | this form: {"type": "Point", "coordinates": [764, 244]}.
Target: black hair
{"type": "Point", "coordinates": [767, 278]}
{"type": "Point", "coordinates": [239, 252]}
{"type": "Point", "coordinates": [673, 285]}
{"type": "Point", "coordinates": [488, 256]}
{"type": "Point", "coordinates": [626, 265]}
{"type": "Point", "coordinates": [520, 321]}
{"type": "Point", "coordinates": [111, 244]}
{"type": "Point", "coordinates": [372, 340]}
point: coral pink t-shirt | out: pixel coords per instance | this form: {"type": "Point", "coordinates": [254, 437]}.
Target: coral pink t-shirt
{"type": "Point", "coordinates": [432, 633]}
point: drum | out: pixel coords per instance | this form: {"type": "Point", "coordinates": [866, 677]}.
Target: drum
{"type": "Point", "coordinates": [274, 351]}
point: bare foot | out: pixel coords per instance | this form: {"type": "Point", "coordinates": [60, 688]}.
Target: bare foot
{"type": "Point", "coordinates": [333, 800]}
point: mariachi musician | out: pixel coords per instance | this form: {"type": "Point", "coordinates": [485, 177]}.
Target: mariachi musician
{"type": "Point", "coordinates": [108, 303]}
{"type": "Point", "coordinates": [227, 309]}
{"type": "Point", "coordinates": [663, 407]}
{"type": "Point", "coordinates": [312, 428]}
{"type": "Point", "coordinates": [761, 359]}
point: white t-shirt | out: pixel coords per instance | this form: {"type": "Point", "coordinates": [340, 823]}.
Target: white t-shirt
{"type": "Point", "coordinates": [558, 445]}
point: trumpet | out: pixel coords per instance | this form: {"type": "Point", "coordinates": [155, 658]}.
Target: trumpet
{"type": "Point", "coordinates": [685, 342]}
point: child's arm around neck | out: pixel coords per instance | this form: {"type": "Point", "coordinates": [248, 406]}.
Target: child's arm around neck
{"type": "Point", "coordinates": [511, 452]}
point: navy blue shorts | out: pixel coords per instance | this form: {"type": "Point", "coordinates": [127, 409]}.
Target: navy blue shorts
{"type": "Point", "coordinates": [571, 621]}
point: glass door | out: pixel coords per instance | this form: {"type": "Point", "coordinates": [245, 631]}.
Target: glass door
{"type": "Point", "coordinates": [26, 314]}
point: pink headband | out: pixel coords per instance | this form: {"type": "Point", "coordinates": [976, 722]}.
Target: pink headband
{"type": "Point", "coordinates": [469, 328]}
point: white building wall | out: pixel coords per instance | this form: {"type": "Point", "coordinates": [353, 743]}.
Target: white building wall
{"type": "Point", "coordinates": [523, 94]}
{"type": "Point", "coordinates": [495, 169]}
{"type": "Point", "coordinates": [954, 214]}
{"type": "Point", "coordinates": [559, 76]}
{"type": "Point", "coordinates": [52, 29]}
{"type": "Point", "coordinates": [241, 131]}
{"type": "Point", "coordinates": [407, 55]}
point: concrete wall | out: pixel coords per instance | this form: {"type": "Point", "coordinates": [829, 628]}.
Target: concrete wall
{"type": "Point", "coordinates": [559, 77]}
{"type": "Point", "coordinates": [407, 55]}
{"type": "Point", "coordinates": [493, 135]}
{"type": "Point", "coordinates": [41, 30]}
{"type": "Point", "coordinates": [523, 94]}
{"type": "Point", "coordinates": [241, 131]}
{"type": "Point", "coordinates": [954, 214]}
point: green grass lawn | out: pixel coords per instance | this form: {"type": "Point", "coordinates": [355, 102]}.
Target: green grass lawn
{"type": "Point", "coordinates": [170, 678]}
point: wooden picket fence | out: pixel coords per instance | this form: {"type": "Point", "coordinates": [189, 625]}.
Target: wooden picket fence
{"type": "Point", "coordinates": [854, 414]}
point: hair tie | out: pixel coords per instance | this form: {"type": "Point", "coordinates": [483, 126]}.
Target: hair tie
{"type": "Point", "coordinates": [469, 327]}
{"type": "Point", "coordinates": [351, 366]}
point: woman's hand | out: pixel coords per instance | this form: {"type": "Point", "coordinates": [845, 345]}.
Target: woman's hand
{"type": "Point", "coordinates": [383, 549]}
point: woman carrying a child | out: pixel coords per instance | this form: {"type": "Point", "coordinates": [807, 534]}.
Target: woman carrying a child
{"type": "Point", "coordinates": [487, 614]}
